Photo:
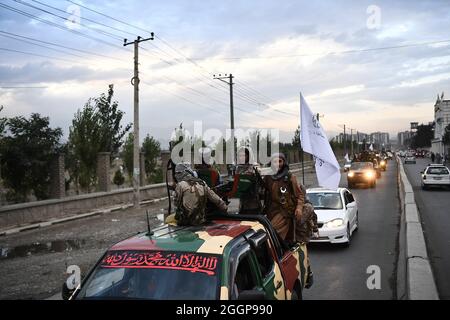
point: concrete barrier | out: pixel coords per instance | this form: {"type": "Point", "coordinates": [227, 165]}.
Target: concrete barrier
{"type": "Point", "coordinates": [18, 215]}
{"type": "Point", "coordinates": [415, 279]}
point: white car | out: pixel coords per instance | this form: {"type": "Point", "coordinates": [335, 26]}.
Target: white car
{"type": "Point", "coordinates": [410, 159]}
{"type": "Point", "coordinates": [337, 214]}
{"type": "Point", "coordinates": [435, 175]}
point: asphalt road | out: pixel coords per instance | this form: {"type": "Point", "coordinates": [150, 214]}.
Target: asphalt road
{"type": "Point", "coordinates": [341, 273]}
{"type": "Point", "coordinates": [434, 208]}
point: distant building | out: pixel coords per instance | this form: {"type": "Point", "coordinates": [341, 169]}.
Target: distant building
{"type": "Point", "coordinates": [403, 138]}
{"type": "Point", "coordinates": [379, 138]}
{"type": "Point", "coordinates": [441, 120]}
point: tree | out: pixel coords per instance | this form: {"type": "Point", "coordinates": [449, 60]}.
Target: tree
{"type": "Point", "coordinates": [96, 128]}
{"type": "Point", "coordinates": [446, 137]}
{"type": "Point", "coordinates": [118, 179]}
{"type": "Point", "coordinates": [28, 149]}
{"type": "Point", "coordinates": [110, 118]}
{"type": "Point", "coordinates": [151, 149]}
{"type": "Point", "coordinates": [296, 140]}
{"type": "Point", "coordinates": [423, 136]}
{"type": "Point", "coordinates": [127, 155]}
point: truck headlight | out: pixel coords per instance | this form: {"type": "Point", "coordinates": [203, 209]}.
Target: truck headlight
{"type": "Point", "coordinates": [334, 223]}
{"type": "Point", "coordinates": [351, 174]}
{"type": "Point", "coordinates": [369, 175]}
{"type": "Point", "coordinates": [383, 162]}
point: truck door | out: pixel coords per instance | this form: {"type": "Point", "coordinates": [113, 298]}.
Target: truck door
{"type": "Point", "coordinates": [269, 272]}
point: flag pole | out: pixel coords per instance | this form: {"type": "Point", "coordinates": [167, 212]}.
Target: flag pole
{"type": "Point", "coordinates": [301, 145]}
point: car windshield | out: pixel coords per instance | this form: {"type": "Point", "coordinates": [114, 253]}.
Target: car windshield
{"type": "Point", "coordinates": [439, 170]}
{"type": "Point", "coordinates": [325, 200]}
{"type": "Point", "coordinates": [361, 165]}
{"type": "Point", "coordinates": [156, 275]}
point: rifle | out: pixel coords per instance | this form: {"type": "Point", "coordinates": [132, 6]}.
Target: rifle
{"type": "Point", "coordinates": [170, 166]}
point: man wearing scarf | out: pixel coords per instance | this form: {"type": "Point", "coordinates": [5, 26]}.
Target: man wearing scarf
{"type": "Point", "coordinates": [284, 199]}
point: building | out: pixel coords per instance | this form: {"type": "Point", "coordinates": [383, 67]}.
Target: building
{"type": "Point", "coordinates": [379, 138]}
{"type": "Point", "coordinates": [441, 120]}
{"type": "Point", "coordinates": [404, 138]}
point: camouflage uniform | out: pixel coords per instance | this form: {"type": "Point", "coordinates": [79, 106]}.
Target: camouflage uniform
{"type": "Point", "coordinates": [191, 197]}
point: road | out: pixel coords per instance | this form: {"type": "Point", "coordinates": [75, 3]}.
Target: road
{"type": "Point", "coordinates": [434, 208]}
{"type": "Point", "coordinates": [339, 272]}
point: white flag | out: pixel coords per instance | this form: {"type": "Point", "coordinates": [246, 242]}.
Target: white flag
{"type": "Point", "coordinates": [315, 142]}
{"type": "Point", "coordinates": [347, 158]}
{"type": "Point", "coordinates": [371, 147]}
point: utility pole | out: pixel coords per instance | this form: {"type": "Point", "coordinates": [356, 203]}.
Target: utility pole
{"type": "Point", "coordinates": [136, 153]}
{"type": "Point", "coordinates": [345, 141]}
{"type": "Point", "coordinates": [351, 141]}
{"type": "Point", "coordinates": [228, 79]}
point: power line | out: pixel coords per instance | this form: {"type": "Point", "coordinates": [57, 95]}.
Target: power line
{"type": "Point", "coordinates": [244, 97]}
{"type": "Point", "coordinates": [24, 13]}
{"type": "Point", "coordinates": [40, 45]}
{"type": "Point", "coordinates": [107, 16]}
{"type": "Point", "coordinates": [37, 55]}
{"type": "Point", "coordinates": [84, 18]}
{"type": "Point", "coordinates": [162, 40]}
{"type": "Point", "coordinates": [331, 52]}
{"type": "Point", "coordinates": [61, 46]}
{"type": "Point", "coordinates": [66, 19]}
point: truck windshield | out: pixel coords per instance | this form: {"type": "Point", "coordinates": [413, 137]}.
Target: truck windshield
{"type": "Point", "coordinates": [361, 165]}
{"type": "Point", "coordinates": [154, 275]}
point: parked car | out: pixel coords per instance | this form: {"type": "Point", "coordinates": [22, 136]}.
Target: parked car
{"type": "Point", "coordinates": [231, 257]}
{"type": "Point", "coordinates": [362, 172]}
{"type": "Point", "coordinates": [435, 175]}
{"type": "Point", "coordinates": [337, 214]}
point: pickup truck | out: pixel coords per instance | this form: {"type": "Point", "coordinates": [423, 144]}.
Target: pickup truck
{"type": "Point", "coordinates": [231, 256]}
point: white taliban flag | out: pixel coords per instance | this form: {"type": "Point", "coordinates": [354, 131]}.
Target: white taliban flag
{"type": "Point", "coordinates": [315, 142]}
{"type": "Point", "coordinates": [371, 147]}
{"type": "Point", "coordinates": [347, 158]}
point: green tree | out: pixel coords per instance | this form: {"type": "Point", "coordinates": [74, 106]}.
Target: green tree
{"type": "Point", "coordinates": [423, 136]}
{"type": "Point", "coordinates": [151, 149]}
{"type": "Point", "coordinates": [127, 155]}
{"type": "Point", "coordinates": [96, 128]}
{"type": "Point", "coordinates": [118, 179]}
{"type": "Point", "coordinates": [27, 150]}
{"type": "Point", "coordinates": [446, 137]}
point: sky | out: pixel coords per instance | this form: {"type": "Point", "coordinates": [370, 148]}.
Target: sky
{"type": "Point", "coordinates": [371, 65]}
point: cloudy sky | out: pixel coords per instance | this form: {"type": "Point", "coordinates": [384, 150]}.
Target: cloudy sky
{"type": "Point", "coordinates": [275, 49]}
